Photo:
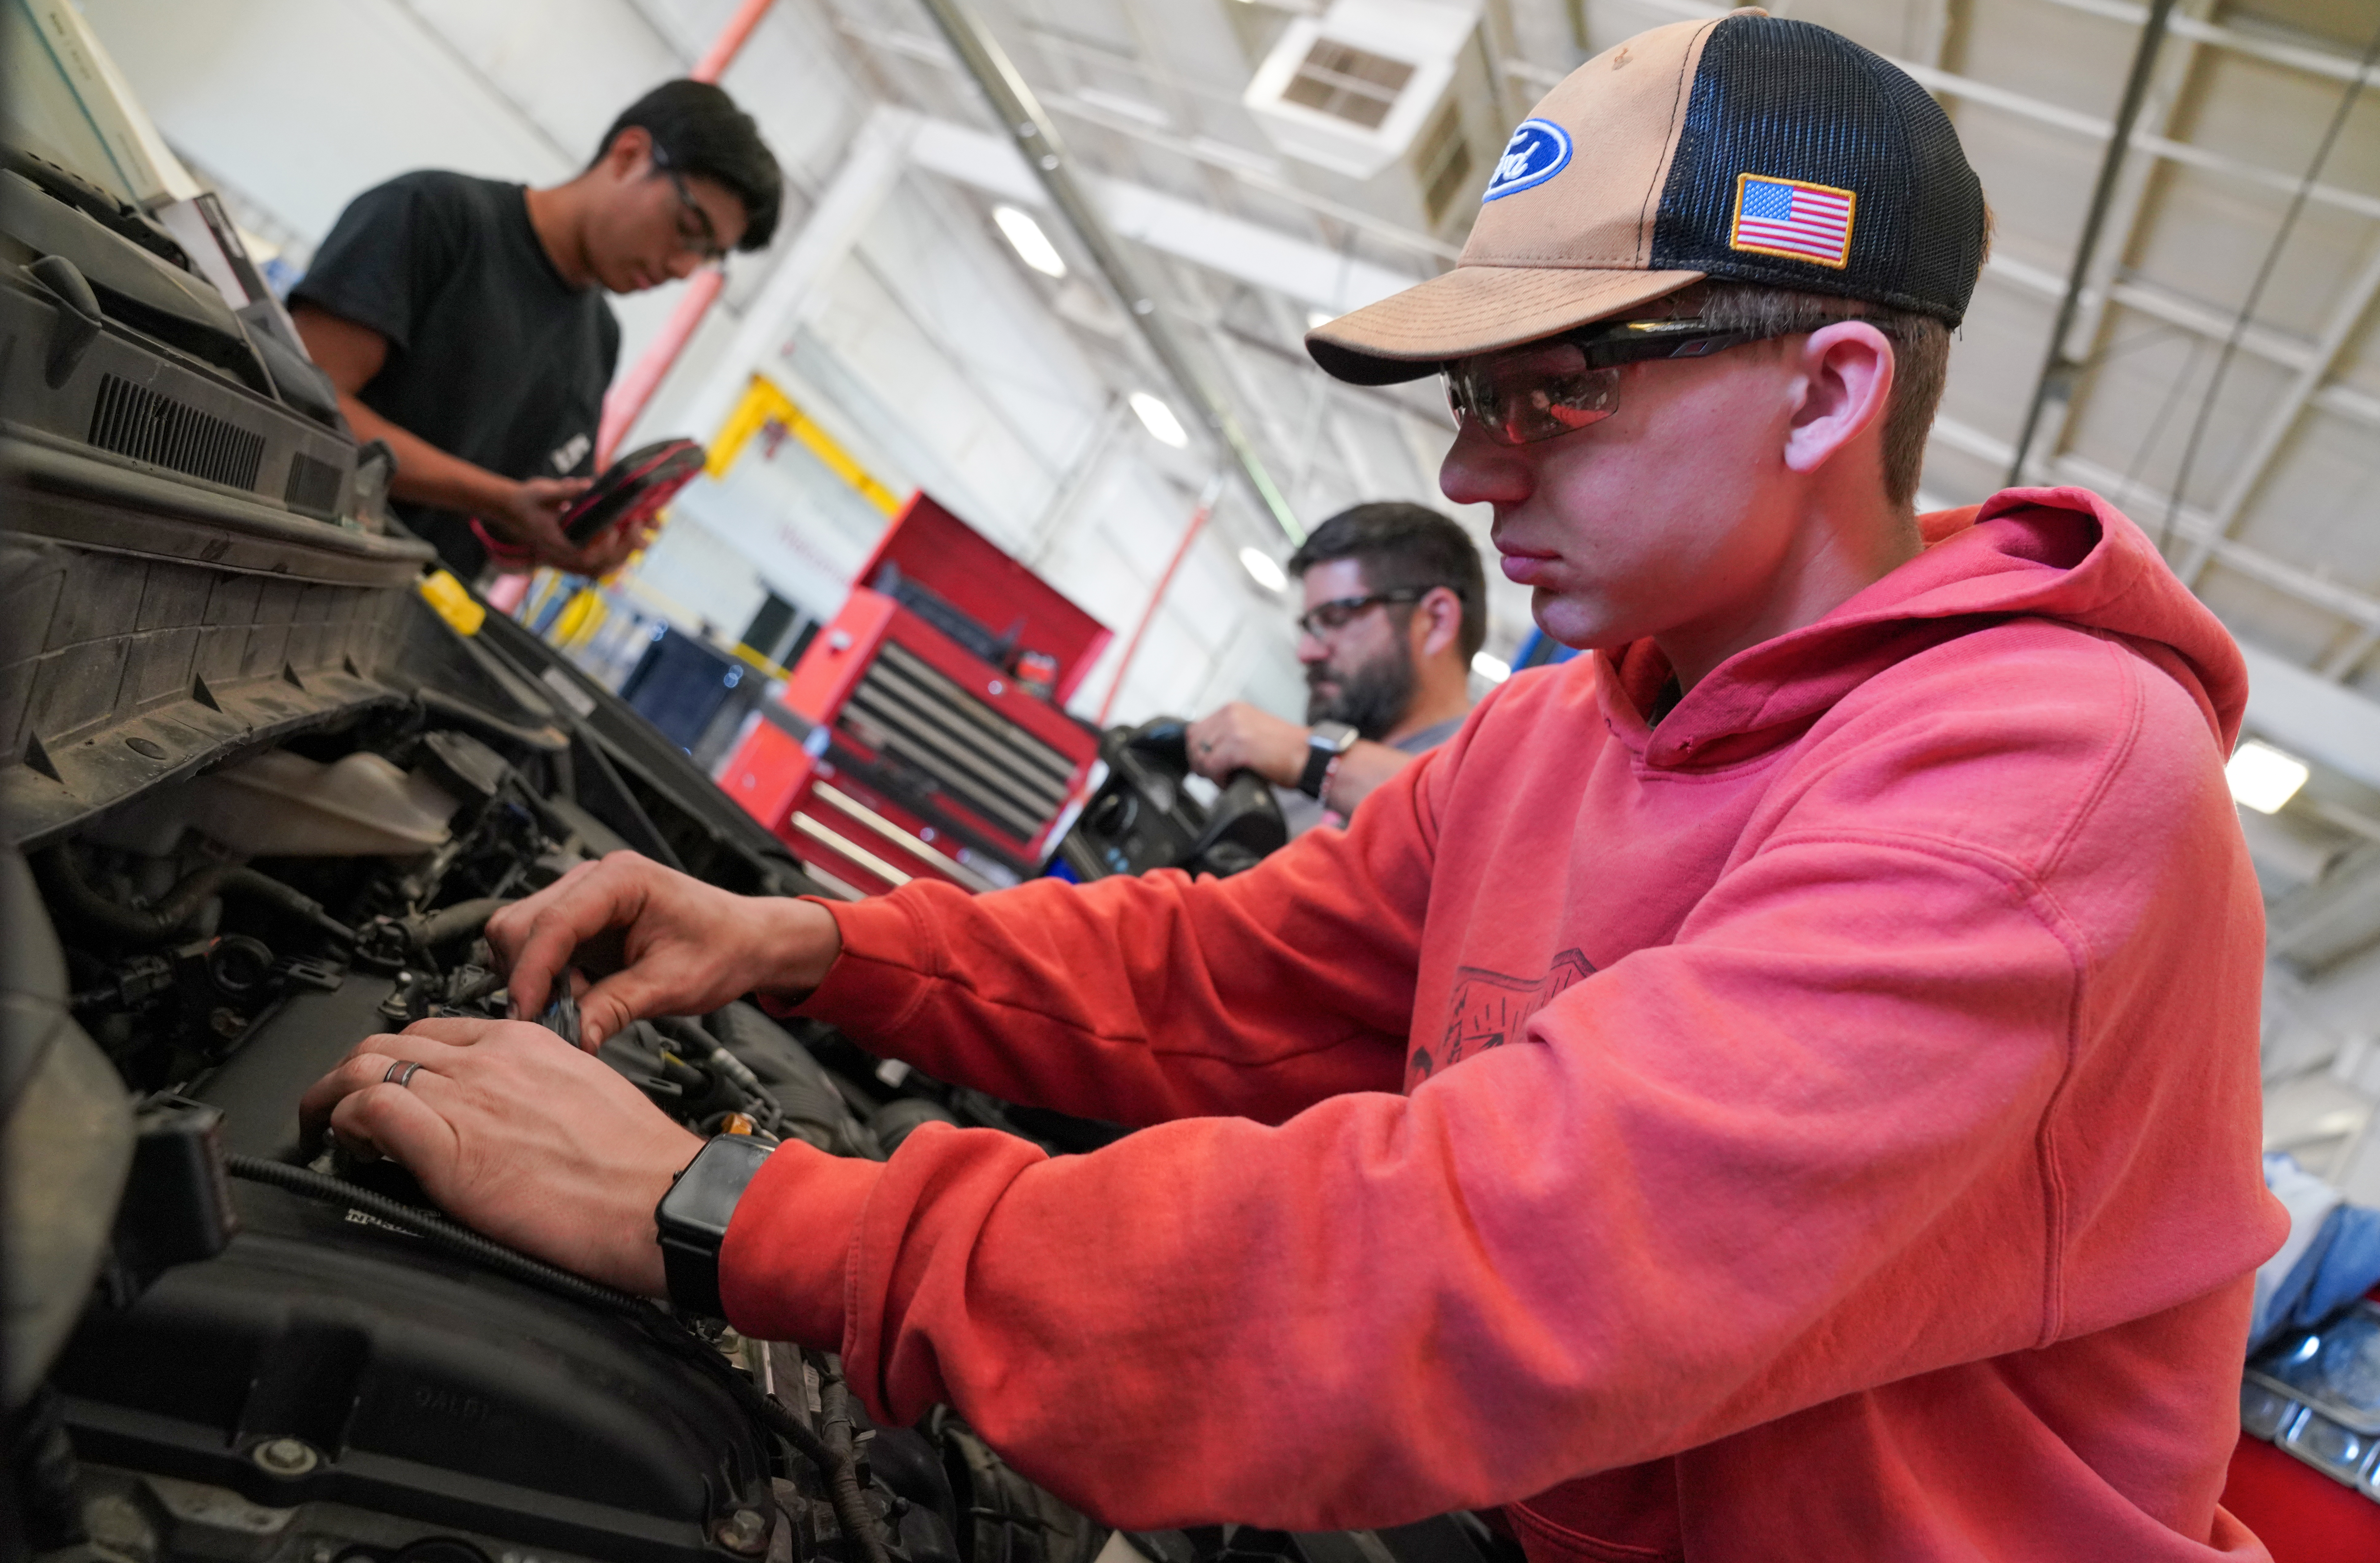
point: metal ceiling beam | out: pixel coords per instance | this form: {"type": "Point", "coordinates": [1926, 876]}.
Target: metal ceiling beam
{"type": "Point", "coordinates": [1298, 269]}
{"type": "Point", "coordinates": [2253, 467]}
{"type": "Point", "coordinates": [2356, 608]}
{"type": "Point", "coordinates": [2176, 63]}
{"type": "Point", "coordinates": [2307, 715]}
{"type": "Point", "coordinates": [1251, 169]}
{"type": "Point", "coordinates": [2274, 347]}
{"type": "Point", "coordinates": [2081, 123]}
{"type": "Point", "coordinates": [1013, 105]}
{"type": "Point", "coordinates": [870, 166]}
{"type": "Point", "coordinates": [2337, 65]}
{"type": "Point", "coordinates": [2058, 370]}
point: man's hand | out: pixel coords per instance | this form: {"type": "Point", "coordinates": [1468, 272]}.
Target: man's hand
{"type": "Point", "coordinates": [1240, 737]}
{"type": "Point", "coordinates": [517, 1136]}
{"type": "Point", "coordinates": [611, 549]}
{"type": "Point", "coordinates": [528, 515]}
{"type": "Point", "coordinates": [538, 505]}
{"type": "Point", "coordinates": [687, 948]}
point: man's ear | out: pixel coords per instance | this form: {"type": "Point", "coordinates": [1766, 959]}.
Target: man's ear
{"type": "Point", "coordinates": [1439, 616]}
{"type": "Point", "coordinates": [1844, 385]}
{"type": "Point", "coordinates": [629, 152]}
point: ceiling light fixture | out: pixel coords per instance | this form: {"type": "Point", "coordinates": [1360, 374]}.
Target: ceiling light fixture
{"type": "Point", "coordinates": [1158, 419]}
{"type": "Point", "coordinates": [1495, 670]}
{"type": "Point", "coordinates": [1317, 319]}
{"type": "Point", "coordinates": [1032, 246]}
{"type": "Point", "coordinates": [1264, 568]}
{"type": "Point", "coordinates": [2263, 777]}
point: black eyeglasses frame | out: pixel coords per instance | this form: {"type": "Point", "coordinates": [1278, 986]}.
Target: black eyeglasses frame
{"type": "Point", "coordinates": [1347, 607]}
{"type": "Point", "coordinates": [707, 245]}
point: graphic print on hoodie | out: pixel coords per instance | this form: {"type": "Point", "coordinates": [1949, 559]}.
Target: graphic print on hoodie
{"type": "Point", "coordinates": [1489, 1009]}
{"type": "Point", "coordinates": [1868, 1167]}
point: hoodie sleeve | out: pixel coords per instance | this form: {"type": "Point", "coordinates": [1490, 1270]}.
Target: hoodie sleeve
{"type": "Point", "coordinates": [1145, 999]}
{"type": "Point", "coordinates": [1789, 1156]}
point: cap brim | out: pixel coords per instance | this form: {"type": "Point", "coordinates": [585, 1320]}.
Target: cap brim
{"type": "Point", "coordinates": [1476, 310]}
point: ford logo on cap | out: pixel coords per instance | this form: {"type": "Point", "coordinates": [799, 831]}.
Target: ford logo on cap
{"type": "Point", "coordinates": [1539, 149]}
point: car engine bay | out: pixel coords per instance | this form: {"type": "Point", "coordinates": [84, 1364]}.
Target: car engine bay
{"type": "Point", "coordinates": [291, 1367]}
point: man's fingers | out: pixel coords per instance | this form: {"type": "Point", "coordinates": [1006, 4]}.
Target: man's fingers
{"type": "Point", "coordinates": [355, 1071]}
{"type": "Point", "coordinates": [576, 913]}
{"type": "Point", "coordinates": [401, 1124]}
{"type": "Point", "coordinates": [388, 1048]}
{"type": "Point", "coordinates": [607, 1008]}
{"type": "Point", "coordinates": [510, 926]}
{"type": "Point", "coordinates": [364, 1068]}
{"type": "Point", "coordinates": [1218, 759]}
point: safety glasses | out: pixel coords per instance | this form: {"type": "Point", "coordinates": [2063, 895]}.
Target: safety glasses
{"type": "Point", "coordinates": [1546, 389]}
{"type": "Point", "coordinates": [695, 233]}
{"type": "Point", "coordinates": [1326, 619]}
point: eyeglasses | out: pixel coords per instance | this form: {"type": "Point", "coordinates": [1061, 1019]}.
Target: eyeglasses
{"type": "Point", "coordinates": [1548, 389]}
{"type": "Point", "coordinates": [702, 239]}
{"type": "Point", "coordinates": [1328, 618]}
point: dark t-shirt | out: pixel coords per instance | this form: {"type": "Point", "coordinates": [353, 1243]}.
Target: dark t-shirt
{"type": "Point", "coordinates": [492, 357]}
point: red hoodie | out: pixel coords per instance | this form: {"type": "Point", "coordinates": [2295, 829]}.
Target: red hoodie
{"type": "Point", "coordinates": [1823, 1127]}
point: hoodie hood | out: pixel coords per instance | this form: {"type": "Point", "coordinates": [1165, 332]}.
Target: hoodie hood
{"type": "Point", "coordinates": [2064, 554]}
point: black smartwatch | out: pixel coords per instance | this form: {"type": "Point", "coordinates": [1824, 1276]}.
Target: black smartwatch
{"type": "Point", "coordinates": [693, 1220]}
{"type": "Point", "coordinates": [1325, 741]}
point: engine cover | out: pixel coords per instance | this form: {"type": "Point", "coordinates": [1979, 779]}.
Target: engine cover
{"type": "Point", "coordinates": [417, 1385]}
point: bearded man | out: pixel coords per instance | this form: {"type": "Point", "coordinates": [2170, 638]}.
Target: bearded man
{"type": "Point", "coordinates": [1396, 606]}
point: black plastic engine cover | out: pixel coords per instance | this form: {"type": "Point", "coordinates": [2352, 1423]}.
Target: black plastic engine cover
{"type": "Point", "coordinates": [424, 1388]}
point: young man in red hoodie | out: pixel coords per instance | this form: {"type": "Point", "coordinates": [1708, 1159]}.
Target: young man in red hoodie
{"type": "Point", "coordinates": [1783, 1087]}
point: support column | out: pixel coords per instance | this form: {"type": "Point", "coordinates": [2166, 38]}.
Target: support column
{"type": "Point", "coordinates": [871, 165]}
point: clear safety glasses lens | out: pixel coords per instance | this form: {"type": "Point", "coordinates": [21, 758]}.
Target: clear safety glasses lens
{"type": "Point", "coordinates": [1535, 394]}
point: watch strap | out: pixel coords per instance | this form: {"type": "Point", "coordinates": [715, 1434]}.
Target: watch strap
{"type": "Point", "coordinates": [1325, 741]}
{"type": "Point", "coordinates": [693, 1217]}
{"type": "Point", "coordinates": [1319, 761]}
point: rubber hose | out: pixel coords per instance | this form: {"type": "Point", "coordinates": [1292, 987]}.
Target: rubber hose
{"type": "Point", "coordinates": [843, 1474]}
{"type": "Point", "coordinates": [453, 922]}
{"type": "Point", "coordinates": [264, 887]}
{"type": "Point", "coordinates": [55, 866]}
{"type": "Point", "coordinates": [477, 989]}
{"type": "Point", "coordinates": [697, 1044]}
{"type": "Point", "coordinates": [520, 1267]}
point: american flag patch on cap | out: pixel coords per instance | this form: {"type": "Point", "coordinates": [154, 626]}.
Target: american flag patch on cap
{"type": "Point", "coordinates": [1789, 217]}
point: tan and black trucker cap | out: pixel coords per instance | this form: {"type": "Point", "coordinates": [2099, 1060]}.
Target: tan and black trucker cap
{"type": "Point", "coordinates": [1747, 147]}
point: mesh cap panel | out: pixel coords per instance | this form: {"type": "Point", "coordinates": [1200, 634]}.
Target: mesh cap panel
{"type": "Point", "coordinates": [1787, 101]}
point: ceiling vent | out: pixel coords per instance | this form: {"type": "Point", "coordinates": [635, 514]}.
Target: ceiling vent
{"type": "Point", "coordinates": [1355, 89]}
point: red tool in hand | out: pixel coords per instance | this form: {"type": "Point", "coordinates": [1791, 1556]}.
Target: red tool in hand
{"type": "Point", "coordinates": [631, 492]}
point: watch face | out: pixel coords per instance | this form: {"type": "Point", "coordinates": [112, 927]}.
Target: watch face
{"type": "Point", "coordinates": [700, 1204]}
{"type": "Point", "coordinates": [1337, 737]}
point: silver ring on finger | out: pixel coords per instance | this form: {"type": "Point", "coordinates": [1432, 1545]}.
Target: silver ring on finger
{"type": "Point", "coordinates": [401, 1072]}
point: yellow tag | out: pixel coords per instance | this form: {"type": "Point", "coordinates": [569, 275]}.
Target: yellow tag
{"type": "Point", "coordinates": [463, 612]}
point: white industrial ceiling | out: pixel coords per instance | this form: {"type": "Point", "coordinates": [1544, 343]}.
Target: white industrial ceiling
{"type": "Point", "coordinates": [2227, 392]}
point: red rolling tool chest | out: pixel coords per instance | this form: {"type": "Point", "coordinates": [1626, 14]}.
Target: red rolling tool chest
{"type": "Point", "coordinates": [923, 733]}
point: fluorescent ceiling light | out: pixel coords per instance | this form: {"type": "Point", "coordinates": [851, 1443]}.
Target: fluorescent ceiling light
{"type": "Point", "coordinates": [1317, 319]}
{"type": "Point", "coordinates": [1158, 419]}
{"type": "Point", "coordinates": [1264, 568]}
{"type": "Point", "coordinates": [1495, 670]}
{"type": "Point", "coordinates": [2263, 777]}
{"type": "Point", "coordinates": [1032, 246]}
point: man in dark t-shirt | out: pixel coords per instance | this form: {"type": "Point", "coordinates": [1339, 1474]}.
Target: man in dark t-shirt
{"type": "Point", "coordinates": [463, 319]}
